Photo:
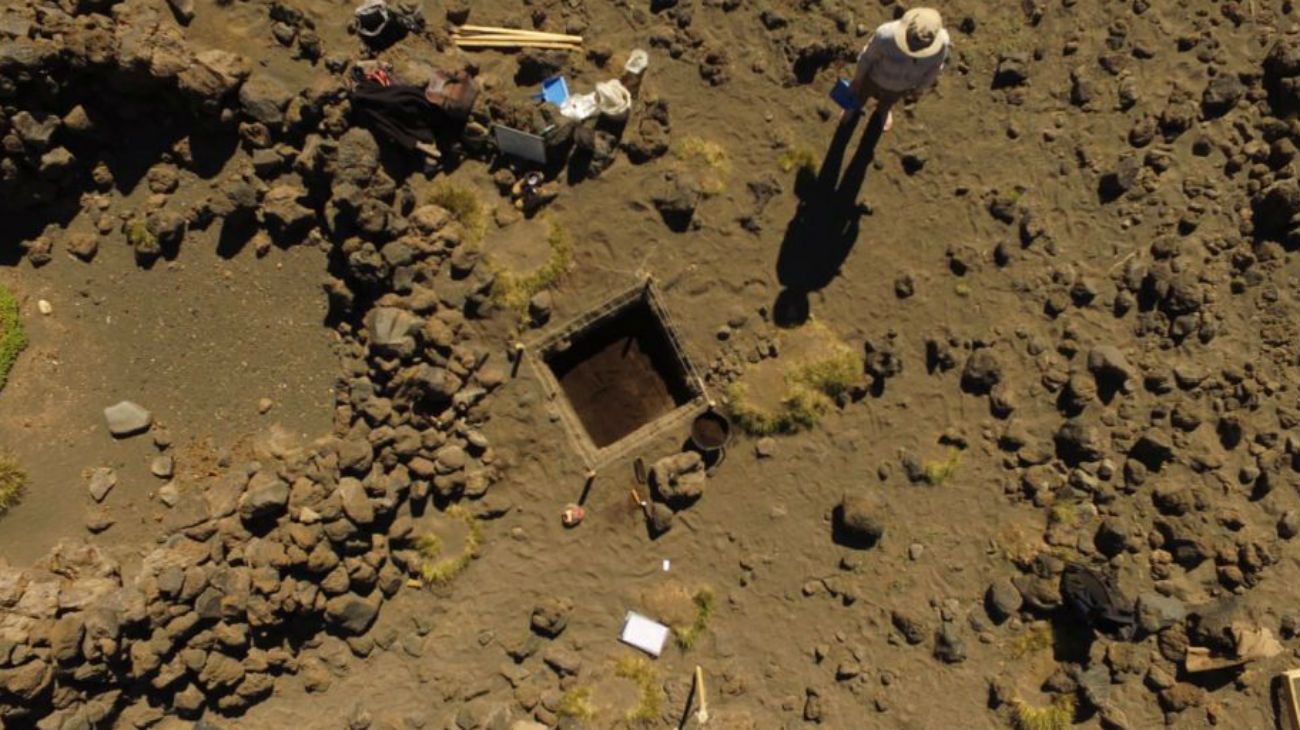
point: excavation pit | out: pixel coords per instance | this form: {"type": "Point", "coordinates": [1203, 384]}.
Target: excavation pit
{"type": "Point", "coordinates": [621, 374]}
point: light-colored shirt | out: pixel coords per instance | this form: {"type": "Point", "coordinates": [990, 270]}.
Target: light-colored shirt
{"type": "Point", "coordinates": [888, 67]}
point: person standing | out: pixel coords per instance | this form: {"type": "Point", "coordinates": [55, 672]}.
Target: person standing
{"type": "Point", "coordinates": [903, 59]}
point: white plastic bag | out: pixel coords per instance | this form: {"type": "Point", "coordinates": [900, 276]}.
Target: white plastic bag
{"type": "Point", "coordinates": [579, 107]}
{"type": "Point", "coordinates": [613, 99]}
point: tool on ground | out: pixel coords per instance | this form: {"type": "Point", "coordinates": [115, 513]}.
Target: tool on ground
{"type": "Point", "coordinates": [701, 697]}
{"type": "Point", "coordinates": [643, 504]}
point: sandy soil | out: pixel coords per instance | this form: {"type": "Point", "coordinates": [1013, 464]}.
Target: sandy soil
{"type": "Point", "coordinates": [805, 630]}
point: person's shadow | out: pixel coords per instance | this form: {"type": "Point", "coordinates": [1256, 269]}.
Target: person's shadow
{"type": "Point", "coordinates": [825, 226]}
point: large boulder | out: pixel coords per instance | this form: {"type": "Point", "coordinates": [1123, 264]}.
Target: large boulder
{"type": "Point", "coordinates": [679, 479]}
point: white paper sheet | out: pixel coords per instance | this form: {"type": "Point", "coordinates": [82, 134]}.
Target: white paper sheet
{"type": "Point", "coordinates": [647, 635]}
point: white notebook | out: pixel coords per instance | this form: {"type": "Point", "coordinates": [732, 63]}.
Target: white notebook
{"type": "Point", "coordinates": [647, 635]}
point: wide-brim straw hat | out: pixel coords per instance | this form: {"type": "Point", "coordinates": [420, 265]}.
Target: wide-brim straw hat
{"type": "Point", "coordinates": [922, 22]}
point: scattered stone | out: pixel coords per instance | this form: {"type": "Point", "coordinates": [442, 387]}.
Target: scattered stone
{"type": "Point", "coordinates": [102, 481]}
{"type": "Point", "coordinates": [184, 10]}
{"type": "Point", "coordinates": [1156, 613]}
{"type": "Point", "coordinates": [550, 617]}
{"type": "Point", "coordinates": [1002, 600]}
{"type": "Point", "coordinates": [99, 520]}
{"type": "Point", "coordinates": [127, 419]}
{"type": "Point", "coordinates": [1288, 527]}
{"type": "Point", "coordinates": [949, 647]}
{"type": "Point", "coordinates": [912, 629]}
{"type": "Point", "coordinates": [855, 525]}
{"type": "Point", "coordinates": [169, 494]}
{"type": "Point", "coordinates": [163, 467]}
{"type": "Point", "coordinates": [83, 245]}
{"type": "Point", "coordinates": [982, 372]}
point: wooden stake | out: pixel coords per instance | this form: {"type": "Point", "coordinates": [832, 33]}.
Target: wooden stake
{"type": "Point", "coordinates": [551, 37]}
{"type": "Point", "coordinates": [517, 44]}
{"type": "Point", "coordinates": [701, 715]}
{"type": "Point", "coordinates": [511, 31]}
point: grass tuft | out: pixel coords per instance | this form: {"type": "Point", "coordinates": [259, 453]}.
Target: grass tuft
{"type": "Point", "coordinates": [576, 703]}
{"type": "Point", "coordinates": [938, 472]}
{"type": "Point", "coordinates": [811, 390]}
{"type": "Point", "coordinates": [464, 206]}
{"type": "Point", "coordinates": [1036, 638]}
{"type": "Point", "coordinates": [1057, 716]}
{"type": "Point", "coordinates": [13, 480]}
{"type": "Point", "coordinates": [710, 159]}
{"type": "Point", "coordinates": [13, 339]}
{"type": "Point", "coordinates": [1064, 513]}
{"type": "Point", "coordinates": [687, 636]}
{"type": "Point", "coordinates": [513, 291]}
{"type": "Point", "coordinates": [798, 158]}
{"type": "Point", "coordinates": [436, 570]}
{"type": "Point", "coordinates": [650, 706]}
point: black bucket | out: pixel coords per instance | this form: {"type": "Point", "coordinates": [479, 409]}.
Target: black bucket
{"type": "Point", "coordinates": [711, 432]}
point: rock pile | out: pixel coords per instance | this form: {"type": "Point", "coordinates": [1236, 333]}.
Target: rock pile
{"type": "Point", "coordinates": [318, 536]}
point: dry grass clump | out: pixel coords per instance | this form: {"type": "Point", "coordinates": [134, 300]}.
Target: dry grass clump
{"type": "Point", "coordinates": [464, 206]}
{"type": "Point", "coordinates": [513, 291]}
{"type": "Point", "coordinates": [436, 570]}
{"type": "Point", "coordinates": [13, 480]}
{"type": "Point", "coordinates": [811, 390]}
{"type": "Point", "coordinates": [13, 339]}
{"type": "Point", "coordinates": [1036, 638]}
{"type": "Point", "coordinates": [1064, 513]}
{"type": "Point", "coordinates": [687, 635]}
{"type": "Point", "coordinates": [938, 472]}
{"type": "Point", "coordinates": [650, 706]}
{"type": "Point", "coordinates": [799, 158]}
{"type": "Point", "coordinates": [1057, 716]}
{"type": "Point", "coordinates": [576, 703]}
{"type": "Point", "coordinates": [709, 159]}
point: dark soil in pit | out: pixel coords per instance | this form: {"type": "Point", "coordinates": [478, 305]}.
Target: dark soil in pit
{"type": "Point", "coordinates": [621, 374]}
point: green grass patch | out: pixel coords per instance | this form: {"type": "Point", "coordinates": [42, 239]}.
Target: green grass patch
{"type": "Point", "coordinates": [513, 291]}
{"type": "Point", "coordinates": [463, 204]}
{"type": "Point", "coordinates": [13, 481]}
{"type": "Point", "coordinates": [1034, 639]}
{"type": "Point", "coordinates": [811, 390]}
{"type": "Point", "coordinates": [650, 705]}
{"type": "Point", "coordinates": [709, 159]}
{"type": "Point", "coordinates": [938, 472]}
{"type": "Point", "coordinates": [576, 703]}
{"type": "Point", "coordinates": [139, 237]}
{"type": "Point", "coordinates": [13, 339]}
{"type": "Point", "coordinates": [437, 570]}
{"type": "Point", "coordinates": [1057, 716]}
{"type": "Point", "coordinates": [687, 636]}
{"type": "Point", "coordinates": [801, 409]}
{"type": "Point", "coordinates": [798, 158]}
{"type": "Point", "coordinates": [1064, 513]}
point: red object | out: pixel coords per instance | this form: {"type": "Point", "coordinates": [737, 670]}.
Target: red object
{"type": "Point", "coordinates": [573, 515]}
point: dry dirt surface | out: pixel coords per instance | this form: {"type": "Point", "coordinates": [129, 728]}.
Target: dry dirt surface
{"type": "Point", "coordinates": [1013, 386]}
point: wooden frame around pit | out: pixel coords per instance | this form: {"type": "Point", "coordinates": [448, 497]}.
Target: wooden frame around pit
{"type": "Point", "coordinates": [540, 348]}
